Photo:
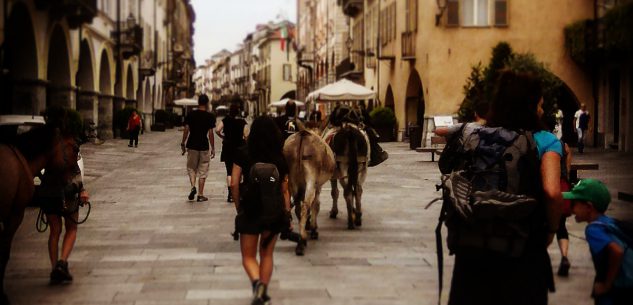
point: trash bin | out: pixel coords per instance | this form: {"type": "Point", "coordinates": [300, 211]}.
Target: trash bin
{"type": "Point", "coordinates": [415, 136]}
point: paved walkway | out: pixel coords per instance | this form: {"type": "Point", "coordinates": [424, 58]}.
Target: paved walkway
{"type": "Point", "coordinates": [146, 244]}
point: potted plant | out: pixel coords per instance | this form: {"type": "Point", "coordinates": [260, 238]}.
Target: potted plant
{"type": "Point", "coordinates": [384, 121]}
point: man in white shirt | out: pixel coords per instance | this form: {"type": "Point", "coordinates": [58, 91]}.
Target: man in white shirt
{"type": "Point", "coordinates": [581, 122]}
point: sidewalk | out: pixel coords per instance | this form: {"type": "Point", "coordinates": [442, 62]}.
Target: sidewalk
{"type": "Point", "coordinates": [144, 243]}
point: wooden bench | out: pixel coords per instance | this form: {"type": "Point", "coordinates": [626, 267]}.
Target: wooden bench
{"type": "Point", "coordinates": [575, 167]}
{"type": "Point", "coordinates": [435, 147]}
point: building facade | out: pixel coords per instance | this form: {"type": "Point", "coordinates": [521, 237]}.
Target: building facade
{"type": "Point", "coordinates": [417, 54]}
{"type": "Point", "coordinates": [95, 56]}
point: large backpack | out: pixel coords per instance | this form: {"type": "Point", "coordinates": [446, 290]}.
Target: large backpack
{"type": "Point", "coordinates": [264, 193]}
{"type": "Point", "coordinates": [491, 192]}
{"type": "Point", "coordinates": [622, 232]}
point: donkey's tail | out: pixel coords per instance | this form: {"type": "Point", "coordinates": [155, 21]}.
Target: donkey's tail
{"type": "Point", "coordinates": [352, 157]}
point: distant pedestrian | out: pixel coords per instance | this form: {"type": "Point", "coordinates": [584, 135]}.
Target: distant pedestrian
{"type": "Point", "coordinates": [134, 128]}
{"type": "Point", "coordinates": [581, 122]}
{"type": "Point", "coordinates": [258, 233]}
{"type": "Point", "coordinates": [289, 123]}
{"type": "Point", "coordinates": [231, 130]}
{"type": "Point", "coordinates": [197, 138]}
{"type": "Point", "coordinates": [558, 116]}
{"type": "Point", "coordinates": [610, 247]}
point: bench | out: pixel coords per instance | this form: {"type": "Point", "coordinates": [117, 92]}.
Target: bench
{"type": "Point", "coordinates": [575, 167]}
{"type": "Point", "coordinates": [435, 148]}
{"type": "Point", "coordinates": [625, 196]}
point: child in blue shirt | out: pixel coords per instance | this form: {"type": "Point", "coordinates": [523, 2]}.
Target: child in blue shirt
{"type": "Point", "coordinates": [590, 199]}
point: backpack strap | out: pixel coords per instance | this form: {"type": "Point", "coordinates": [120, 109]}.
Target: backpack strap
{"type": "Point", "coordinates": [615, 230]}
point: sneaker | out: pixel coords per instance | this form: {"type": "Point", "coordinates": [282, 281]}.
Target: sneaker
{"type": "Point", "coordinates": [202, 198]}
{"type": "Point", "coordinates": [259, 295]}
{"type": "Point", "coordinates": [563, 268]}
{"type": "Point", "coordinates": [192, 194]}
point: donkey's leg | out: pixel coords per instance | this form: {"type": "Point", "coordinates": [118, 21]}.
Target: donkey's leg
{"type": "Point", "coordinates": [358, 211]}
{"type": "Point", "coordinates": [349, 201]}
{"type": "Point", "coordinates": [316, 206]}
{"type": "Point", "coordinates": [334, 192]}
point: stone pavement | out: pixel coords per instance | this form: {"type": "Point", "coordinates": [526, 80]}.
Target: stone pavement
{"type": "Point", "coordinates": [144, 243]}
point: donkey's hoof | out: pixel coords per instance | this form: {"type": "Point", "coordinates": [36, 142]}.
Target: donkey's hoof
{"type": "Point", "coordinates": [333, 214]}
{"type": "Point", "coordinates": [301, 248]}
{"type": "Point", "coordinates": [359, 219]}
{"type": "Point", "coordinates": [314, 235]}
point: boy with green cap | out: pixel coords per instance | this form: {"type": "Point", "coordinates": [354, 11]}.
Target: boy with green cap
{"type": "Point", "coordinates": [590, 199]}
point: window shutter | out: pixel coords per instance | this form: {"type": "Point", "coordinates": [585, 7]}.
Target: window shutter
{"type": "Point", "coordinates": [452, 12]}
{"type": "Point", "coordinates": [501, 12]}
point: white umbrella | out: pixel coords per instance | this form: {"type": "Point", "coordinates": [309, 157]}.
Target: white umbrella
{"type": "Point", "coordinates": [343, 90]}
{"type": "Point", "coordinates": [186, 102]}
{"type": "Point", "coordinates": [283, 103]}
{"type": "Point", "coordinates": [221, 107]}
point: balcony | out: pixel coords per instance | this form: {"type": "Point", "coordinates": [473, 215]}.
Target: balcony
{"type": "Point", "coordinates": [408, 46]}
{"type": "Point", "coordinates": [352, 8]}
{"type": "Point", "coordinates": [132, 41]}
{"type": "Point", "coordinates": [77, 12]}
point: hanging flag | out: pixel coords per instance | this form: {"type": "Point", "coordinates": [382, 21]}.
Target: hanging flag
{"type": "Point", "coordinates": [284, 36]}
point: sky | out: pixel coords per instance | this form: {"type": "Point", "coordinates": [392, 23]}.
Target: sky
{"type": "Point", "coordinates": [223, 24]}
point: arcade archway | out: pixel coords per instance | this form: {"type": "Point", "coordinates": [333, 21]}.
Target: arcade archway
{"type": "Point", "coordinates": [59, 91]}
{"type": "Point", "coordinates": [22, 93]}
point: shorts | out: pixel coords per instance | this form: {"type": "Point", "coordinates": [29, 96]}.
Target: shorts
{"type": "Point", "coordinates": [198, 163]}
{"type": "Point", "coordinates": [229, 167]}
{"type": "Point", "coordinates": [52, 205]}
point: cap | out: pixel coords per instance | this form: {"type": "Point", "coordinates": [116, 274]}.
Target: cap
{"type": "Point", "coordinates": [590, 190]}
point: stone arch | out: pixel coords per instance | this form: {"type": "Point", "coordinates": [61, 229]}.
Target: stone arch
{"type": "Point", "coordinates": [389, 100]}
{"type": "Point", "coordinates": [105, 108]}
{"type": "Point", "coordinates": [85, 80]}
{"type": "Point", "coordinates": [21, 92]}
{"type": "Point", "coordinates": [414, 100]}
{"type": "Point", "coordinates": [59, 91]}
{"type": "Point", "coordinates": [292, 94]}
{"type": "Point", "coordinates": [129, 88]}
{"type": "Point", "coordinates": [568, 102]}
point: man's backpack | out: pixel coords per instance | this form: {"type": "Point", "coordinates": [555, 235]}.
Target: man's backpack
{"type": "Point", "coordinates": [622, 232]}
{"type": "Point", "coordinates": [264, 193]}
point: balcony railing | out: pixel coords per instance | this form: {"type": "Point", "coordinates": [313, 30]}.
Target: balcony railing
{"type": "Point", "coordinates": [77, 12]}
{"type": "Point", "coordinates": [408, 46]}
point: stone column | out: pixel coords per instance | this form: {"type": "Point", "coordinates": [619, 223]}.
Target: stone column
{"type": "Point", "coordinates": [104, 117]}
{"type": "Point", "coordinates": [29, 97]}
{"type": "Point", "coordinates": [64, 96]}
{"type": "Point", "coordinates": [87, 105]}
{"type": "Point", "coordinates": [119, 103]}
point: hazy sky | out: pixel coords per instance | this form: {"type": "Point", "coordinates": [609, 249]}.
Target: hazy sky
{"type": "Point", "coordinates": [223, 24]}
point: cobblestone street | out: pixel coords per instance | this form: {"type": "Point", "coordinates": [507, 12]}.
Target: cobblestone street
{"type": "Point", "coordinates": [144, 243]}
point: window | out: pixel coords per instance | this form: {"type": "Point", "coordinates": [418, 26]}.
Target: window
{"type": "Point", "coordinates": [474, 12]}
{"type": "Point", "coordinates": [287, 72]}
{"type": "Point", "coordinates": [452, 12]}
{"type": "Point", "coordinates": [411, 16]}
{"type": "Point", "coordinates": [388, 24]}
{"type": "Point", "coordinates": [501, 12]}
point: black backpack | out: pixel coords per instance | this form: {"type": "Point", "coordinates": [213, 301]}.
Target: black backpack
{"type": "Point", "coordinates": [264, 193]}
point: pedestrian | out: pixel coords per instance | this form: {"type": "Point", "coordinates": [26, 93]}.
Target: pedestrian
{"type": "Point", "coordinates": [289, 123]}
{"type": "Point", "coordinates": [488, 273]}
{"type": "Point", "coordinates": [558, 117]}
{"type": "Point", "coordinates": [134, 128]}
{"type": "Point", "coordinates": [55, 196]}
{"type": "Point", "coordinates": [613, 283]}
{"type": "Point", "coordinates": [198, 140]}
{"type": "Point", "coordinates": [231, 130]}
{"type": "Point", "coordinates": [581, 122]}
{"type": "Point", "coordinates": [264, 145]}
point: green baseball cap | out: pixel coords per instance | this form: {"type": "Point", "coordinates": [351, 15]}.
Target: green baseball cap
{"type": "Point", "coordinates": [590, 190]}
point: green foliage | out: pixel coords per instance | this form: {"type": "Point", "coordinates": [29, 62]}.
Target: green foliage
{"type": "Point", "coordinates": [480, 83]}
{"type": "Point", "coordinates": [618, 31]}
{"type": "Point", "coordinates": [383, 117]}
{"type": "Point", "coordinates": [576, 42]}
{"type": "Point", "coordinates": [473, 93]}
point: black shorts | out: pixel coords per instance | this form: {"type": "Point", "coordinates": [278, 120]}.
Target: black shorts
{"type": "Point", "coordinates": [229, 167]}
{"type": "Point", "coordinates": [52, 205]}
{"type": "Point", "coordinates": [248, 223]}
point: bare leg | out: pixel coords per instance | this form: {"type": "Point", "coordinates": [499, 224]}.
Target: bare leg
{"type": "Point", "coordinates": [55, 228]}
{"type": "Point", "coordinates": [248, 245]}
{"type": "Point", "coordinates": [201, 186]}
{"type": "Point", "coordinates": [70, 236]}
{"type": "Point", "coordinates": [563, 244]}
{"type": "Point", "coordinates": [266, 258]}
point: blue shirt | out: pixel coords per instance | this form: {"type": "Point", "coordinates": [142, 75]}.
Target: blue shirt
{"type": "Point", "coordinates": [598, 235]}
{"type": "Point", "coordinates": [546, 142]}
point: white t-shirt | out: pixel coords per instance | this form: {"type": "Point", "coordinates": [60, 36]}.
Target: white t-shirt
{"type": "Point", "coordinates": [577, 117]}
